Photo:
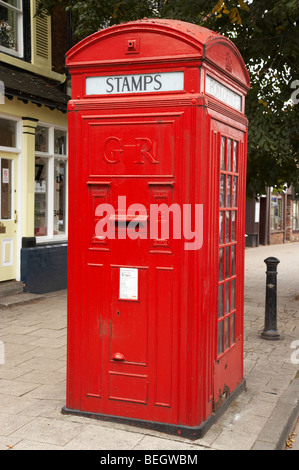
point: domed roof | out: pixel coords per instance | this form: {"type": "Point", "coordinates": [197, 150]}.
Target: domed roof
{"type": "Point", "coordinates": [158, 40]}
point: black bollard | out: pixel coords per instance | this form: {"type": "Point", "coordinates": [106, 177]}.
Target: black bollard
{"type": "Point", "coordinates": [270, 328]}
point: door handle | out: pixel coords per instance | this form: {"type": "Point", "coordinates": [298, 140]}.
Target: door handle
{"type": "Point", "coordinates": [118, 357]}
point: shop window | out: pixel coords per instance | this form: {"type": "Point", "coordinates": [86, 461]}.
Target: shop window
{"type": "Point", "coordinates": [50, 215]}
{"type": "Point", "coordinates": [276, 213]}
{"type": "Point", "coordinates": [295, 215]}
{"type": "Point", "coordinates": [11, 26]}
{"type": "Point", "coordinates": [42, 139]}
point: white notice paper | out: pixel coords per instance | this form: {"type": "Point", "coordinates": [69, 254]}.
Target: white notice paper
{"type": "Point", "coordinates": [5, 175]}
{"type": "Point", "coordinates": [128, 283]}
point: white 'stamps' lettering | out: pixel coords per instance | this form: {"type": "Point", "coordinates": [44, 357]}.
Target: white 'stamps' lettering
{"type": "Point", "coordinates": [128, 84]}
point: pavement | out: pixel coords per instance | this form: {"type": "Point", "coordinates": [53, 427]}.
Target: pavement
{"type": "Point", "coordinates": [262, 417]}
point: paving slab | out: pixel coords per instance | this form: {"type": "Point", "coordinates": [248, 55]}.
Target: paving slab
{"type": "Point", "coordinates": [32, 378]}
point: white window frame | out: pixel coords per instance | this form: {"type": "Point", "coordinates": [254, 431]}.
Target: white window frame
{"type": "Point", "coordinates": [20, 43]}
{"type": "Point", "coordinates": [18, 146]}
{"type": "Point", "coordinates": [51, 157]}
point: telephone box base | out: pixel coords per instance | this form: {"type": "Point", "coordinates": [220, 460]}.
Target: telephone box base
{"type": "Point", "coordinates": [179, 430]}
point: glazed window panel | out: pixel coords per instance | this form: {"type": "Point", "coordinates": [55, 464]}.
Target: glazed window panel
{"type": "Point", "coordinates": [228, 215]}
{"type": "Point", "coordinates": [233, 294]}
{"type": "Point", "coordinates": [227, 297]}
{"type": "Point", "coordinates": [221, 227]}
{"type": "Point", "coordinates": [6, 189]}
{"type": "Point", "coordinates": [60, 142]}
{"type": "Point", "coordinates": [235, 160]}
{"type": "Point", "coordinates": [220, 301]}
{"type": "Point", "coordinates": [233, 260]}
{"type": "Point", "coordinates": [228, 227]}
{"type": "Point", "coordinates": [220, 338]}
{"type": "Point", "coordinates": [223, 153]}
{"type": "Point", "coordinates": [228, 190]}
{"type": "Point", "coordinates": [221, 264]}
{"type": "Point", "coordinates": [42, 139]}
{"type": "Point", "coordinates": [229, 155]}
{"type": "Point", "coordinates": [41, 198]}
{"type": "Point", "coordinates": [59, 197]}
{"type": "Point", "coordinates": [235, 186]}
{"type": "Point", "coordinates": [8, 131]}
{"type": "Point", "coordinates": [234, 228]}
{"type": "Point", "coordinates": [295, 215]}
{"type": "Point", "coordinates": [222, 190]}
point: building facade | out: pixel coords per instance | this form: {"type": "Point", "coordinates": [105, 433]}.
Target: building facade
{"type": "Point", "coordinates": [273, 218]}
{"type": "Point", "coordinates": [33, 146]}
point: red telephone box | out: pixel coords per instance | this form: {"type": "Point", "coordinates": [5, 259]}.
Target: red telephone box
{"type": "Point", "coordinates": [157, 175]}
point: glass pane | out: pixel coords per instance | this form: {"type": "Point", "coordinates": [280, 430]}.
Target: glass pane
{"type": "Point", "coordinates": [227, 296]}
{"type": "Point", "coordinates": [221, 228]}
{"type": "Point", "coordinates": [59, 196]}
{"type": "Point", "coordinates": [233, 294]}
{"type": "Point", "coordinates": [234, 216]}
{"type": "Point", "coordinates": [220, 300]}
{"type": "Point", "coordinates": [7, 132]}
{"type": "Point", "coordinates": [226, 333]}
{"type": "Point", "coordinates": [232, 329]}
{"type": "Point", "coordinates": [276, 213]}
{"type": "Point", "coordinates": [228, 226]}
{"type": "Point", "coordinates": [229, 155]}
{"type": "Point", "coordinates": [295, 215]}
{"type": "Point", "coordinates": [60, 142]}
{"type": "Point", "coordinates": [235, 183]}
{"type": "Point", "coordinates": [227, 262]}
{"type": "Point", "coordinates": [228, 190]}
{"type": "Point", "coordinates": [8, 28]}
{"type": "Point", "coordinates": [42, 139]}
{"type": "Point", "coordinates": [6, 189]}
{"type": "Point", "coordinates": [223, 153]}
{"type": "Point", "coordinates": [233, 256]}
{"type": "Point", "coordinates": [222, 190]}
{"type": "Point", "coordinates": [41, 187]}
{"type": "Point", "coordinates": [221, 264]}
{"type": "Point", "coordinates": [220, 338]}
{"type": "Point", "coordinates": [235, 162]}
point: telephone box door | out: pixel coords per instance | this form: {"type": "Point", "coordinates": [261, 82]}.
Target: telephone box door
{"type": "Point", "coordinates": [131, 290]}
{"type": "Point", "coordinates": [230, 153]}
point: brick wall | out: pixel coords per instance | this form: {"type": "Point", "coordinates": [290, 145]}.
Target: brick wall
{"type": "Point", "coordinates": [276, 238]}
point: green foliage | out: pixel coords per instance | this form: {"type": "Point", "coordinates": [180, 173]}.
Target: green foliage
{"type": "Point", "coordinates": [266, 34]}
